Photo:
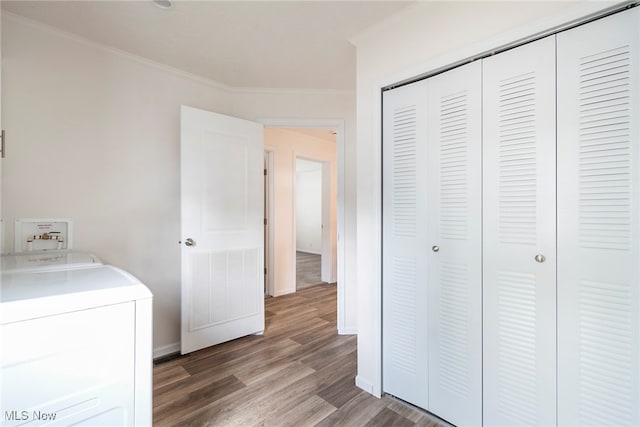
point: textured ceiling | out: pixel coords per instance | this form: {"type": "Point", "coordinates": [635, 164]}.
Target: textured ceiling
{"type": "Point", "coordinates": [258, 44]}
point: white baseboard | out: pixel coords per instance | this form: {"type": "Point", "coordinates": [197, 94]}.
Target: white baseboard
{"type": "Point", "coordinates": [309, 251]}
{"type": "Point", "coordinates": [347, 331]}
{"type": "Point", "coordinates": [365, 385]}
{"type": "Point", "coordinates": [284, 292]}
{"type": "Point", "coordinates": [166, 350]}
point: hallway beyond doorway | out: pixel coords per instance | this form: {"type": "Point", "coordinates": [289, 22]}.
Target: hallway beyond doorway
{"type": "Point", "coordinates": [307, 270]}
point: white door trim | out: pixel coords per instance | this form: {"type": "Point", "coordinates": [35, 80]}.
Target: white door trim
{"type": "Point", "coordinates": [269, 200]}
{"type": "Point", "coordinates": [327, 268]}
{"type": "Point", "coordinates": [338, 125]}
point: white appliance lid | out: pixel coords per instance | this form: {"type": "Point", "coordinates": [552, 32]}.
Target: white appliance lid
{"type": "Point", "coordinates": [28, 295]}
{"type": "Point", "coordinates": [47, 260]}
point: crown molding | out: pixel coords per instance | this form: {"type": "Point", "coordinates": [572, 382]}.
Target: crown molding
{"type": "Point", "coordinates": [169, 69]}
{"type": "Point", "coordinates": [292, 91]}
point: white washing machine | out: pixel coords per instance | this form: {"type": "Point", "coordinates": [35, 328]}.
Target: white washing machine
{"type": "Point", "coordinates": [76, 348]}
{"type": "Point", "coordinates": [76, 342]}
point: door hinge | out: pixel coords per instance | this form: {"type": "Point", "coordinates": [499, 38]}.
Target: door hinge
{"type": "Point", "coordinates": [265, 221]}
{"type": "Point", "coordinates": [2, 149]}
{"type": "Point", "coordinates": [265, 271]}
{"type": "Point", "coordinates": [265, 172]}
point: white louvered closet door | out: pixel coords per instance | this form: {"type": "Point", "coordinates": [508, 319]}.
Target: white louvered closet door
{"type": "Point", "coordinates": [519, 293]}
{"type": "Point", "coordinates": [599, 222]}
{"type": "Point", "coordinates": [454, 152]}
{"type": "Point", "coordinates": [404, 277]}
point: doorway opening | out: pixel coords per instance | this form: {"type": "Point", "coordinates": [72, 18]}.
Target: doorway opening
{"type": "Point", "coordinates": [322, 142]}
{"type": "Point", "coordinates": [312, 212]}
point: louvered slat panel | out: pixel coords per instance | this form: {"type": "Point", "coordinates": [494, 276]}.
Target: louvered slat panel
{"type": "Point", "coordinates": [404, 325]}
{"type": "Point", "coordinates": [454, 329]}
{"type": "Point", "coordinates": [402, 320]}
{"type": "Point", "coordinates": [404, 171]}
{"type": "Point", "coordinates": [517, 346]}
{"type": "Point", "coordinates": [519, 375]}
{"type": "Point", "coordinates": [454, 218]}
{"type": "Point", "coordinates": [599, 223]}
{"type": "Point", "coordinates": [454, 141]}
{"type": "Point", "coordinates": [605, 150]}
{"type": "Point", "coordinates": [517, 160]}
{"type": "Point", "coordinates": [606, 340]}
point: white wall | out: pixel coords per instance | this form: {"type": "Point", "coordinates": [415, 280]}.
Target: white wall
{"type": "Point", "coordinates": [422, 38]}
{"type": "Point", "coordinates": [286, 145]}
{"type": "Point", "coordinates": [94, 136]}
{"type": "Point", "coordinates": [308, 206]}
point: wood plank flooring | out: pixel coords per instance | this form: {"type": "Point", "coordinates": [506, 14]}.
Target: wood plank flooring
{"type": "Point", "coordinates": [299, 373]}
{"type": "Point", "coordinates": [307, 270]}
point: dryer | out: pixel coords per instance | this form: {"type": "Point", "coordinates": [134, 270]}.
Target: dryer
{"type": "Point", "coordinates": [76, 346]}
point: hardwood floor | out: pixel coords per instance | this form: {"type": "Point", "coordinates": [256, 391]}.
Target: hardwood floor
{"type": "Point", "coordinates": [307, 270]}
{"type": "Point", "coordinates": [299, 373]}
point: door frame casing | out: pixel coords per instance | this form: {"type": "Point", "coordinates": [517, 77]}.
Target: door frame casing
{"type": "Point", "coordinates": [269, 200]}
{"type": "Point", "coordinates": [339, 126]}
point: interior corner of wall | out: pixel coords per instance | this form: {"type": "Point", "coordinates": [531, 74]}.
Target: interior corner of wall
{"type": "Point", "coordinates": [166, 350]}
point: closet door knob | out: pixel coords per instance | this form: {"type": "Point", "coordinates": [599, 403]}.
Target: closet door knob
{"type": "Point", "coordinates": [540, 258]}
{"type": "Point", "coordinates": [189, 242]}
{"type": "Point", "coordinates": [435, 248]}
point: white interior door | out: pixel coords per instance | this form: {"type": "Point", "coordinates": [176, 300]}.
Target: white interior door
{"type": "Point", "coordinates": [599, 222]}
{"type": "Point", "coordinates": [222, 228]}
{"type": "Point", "coordinates": [404, 255]}
{"type": "Point", "coordinates": [455, 240]}
{"type": "Point", "coordinates": [519, 285]}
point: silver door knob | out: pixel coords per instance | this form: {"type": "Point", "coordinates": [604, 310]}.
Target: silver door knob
{"type": "Point", "coordinates": [435, 248]}
{"type": "Point", "coordinates": [540, 258]}
{"type": "Point", "coordinates": [189, 242]}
